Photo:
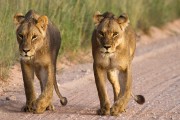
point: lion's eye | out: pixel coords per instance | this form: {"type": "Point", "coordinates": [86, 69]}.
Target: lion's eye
{"type": "Point", "coordinates": [20, 36]}
{"type": "Point", "coordinates": [34, 37]}
{"type": "Point", "coordinates": [115, 34]}
{"type": "Point", "coordinates": [101, 34]}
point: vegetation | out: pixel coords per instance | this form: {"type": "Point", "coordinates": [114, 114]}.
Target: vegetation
{"type": "Point", "coordinates": [74, 19]}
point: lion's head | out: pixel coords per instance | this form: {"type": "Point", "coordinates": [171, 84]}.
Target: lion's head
{"type": "Point", "coordinates": [30, 32]}
{"type": "Point", "coordinates": [109, 31]}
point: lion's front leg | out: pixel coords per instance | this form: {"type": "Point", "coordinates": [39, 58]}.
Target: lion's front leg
{"type": "Point", "coordinates": [28, 78]}
{"type": "Point", "coordinates": [45, 98]}
{"type": "Point", "coordinates": [114, 80]}
{"type": "Point", "coordinates": [43, 103]}
{"type": "Point", "coordinates": [120, 105]}
{"type": "Point", "coordinates": [101, 88]}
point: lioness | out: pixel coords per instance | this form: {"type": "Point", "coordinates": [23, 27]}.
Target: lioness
{"type": "Point", "coordinates": [39, 42]}
{"type": "Point", "coordinates": [113, 47]}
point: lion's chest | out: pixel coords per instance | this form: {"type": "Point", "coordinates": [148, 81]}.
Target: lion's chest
{"type": "Point", "coordinates": [42, 60]}
{"type": "Point", "coordinates": [112, 62]}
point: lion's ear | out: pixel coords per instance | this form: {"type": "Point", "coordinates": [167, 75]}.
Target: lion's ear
{"type": "Point", "coordinates": [18, 18]}
{"type": "Point", "coordinates": [42, 22]}
{"type": "Point", "coordinates": [97, 18]}
{"type": "Point", "coordinates": [123, 20]}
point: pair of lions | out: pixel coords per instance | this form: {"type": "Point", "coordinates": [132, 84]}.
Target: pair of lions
{"type": "Point", "coordinates": [113, 46]}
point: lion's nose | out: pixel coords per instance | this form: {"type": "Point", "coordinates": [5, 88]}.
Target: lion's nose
{"type": "Point", "coordinates": [107, 46]}
{"type": "Point", "coordinates": [26, 50]}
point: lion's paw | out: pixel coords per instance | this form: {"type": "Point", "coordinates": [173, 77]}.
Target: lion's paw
{"type": "Point", "coordinates": [27, 108]}
{"type": "Point", "coordinates": [115, 110]}
{"type": "Point", "coordinates": [103, 111]}
{"type": "Point", "coordinates": [50, 107]}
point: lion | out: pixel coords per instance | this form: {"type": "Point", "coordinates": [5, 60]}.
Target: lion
{"type": "Point", "coordinates": [113, 47]}
{"type": "Point", "coordinates": [39, 43]}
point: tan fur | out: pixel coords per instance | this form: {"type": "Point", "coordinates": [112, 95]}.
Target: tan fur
{"type": "Point", "coordinates": [39, 42]}
{"type": "Point", "coordinates": [113, 47]}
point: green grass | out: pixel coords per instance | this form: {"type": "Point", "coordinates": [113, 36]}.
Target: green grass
{"type": "Point", "coordinates": [74, 19]}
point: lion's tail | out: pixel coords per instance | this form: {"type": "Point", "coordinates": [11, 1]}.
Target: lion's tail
{"type": "Point", "coordinates": [63, 100]}
{"type": "Point", "coordinates": [138, 98]}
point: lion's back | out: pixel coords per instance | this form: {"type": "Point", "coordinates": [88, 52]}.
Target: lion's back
{"type": "Point", "coordinates": [54, 38]}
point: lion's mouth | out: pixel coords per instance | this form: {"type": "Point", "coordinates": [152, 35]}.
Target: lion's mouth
{"type": "Point", "coordinates": [107, 52]}
{"type": "Point", "coordinates": [26, 57]}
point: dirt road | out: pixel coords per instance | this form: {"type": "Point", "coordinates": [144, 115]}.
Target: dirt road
{"type": "Point", "coordinates": [156, 75]}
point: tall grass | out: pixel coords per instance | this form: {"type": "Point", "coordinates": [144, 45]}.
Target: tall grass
{"type": "Point", "coordinates": [74, 19]}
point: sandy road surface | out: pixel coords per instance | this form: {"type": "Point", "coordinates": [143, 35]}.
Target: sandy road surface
{"type": "Point", "coordinates": [156, 75]}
